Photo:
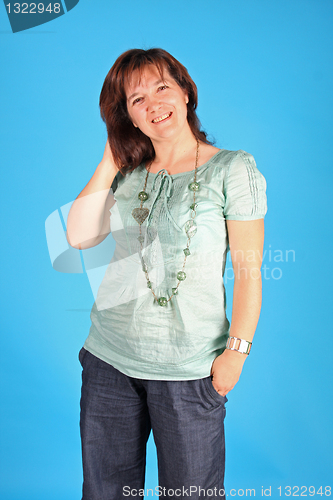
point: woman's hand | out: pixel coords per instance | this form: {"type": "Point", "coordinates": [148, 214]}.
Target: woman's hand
{"type": "Point", "coordinates": [226, 370]}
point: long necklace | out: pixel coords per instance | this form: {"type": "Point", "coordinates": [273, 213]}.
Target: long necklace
{"type": "Point", "coordinates": [140, 214]}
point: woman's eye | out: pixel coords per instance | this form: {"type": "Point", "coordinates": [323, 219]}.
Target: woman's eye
{"type": "Point", "coordinates": [162, 87]}
{"type": "Point", "coordinates": [138, 99]}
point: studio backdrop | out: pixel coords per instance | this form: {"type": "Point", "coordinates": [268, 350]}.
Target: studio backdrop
{"type": "Point", "coordinates": [264, 75]}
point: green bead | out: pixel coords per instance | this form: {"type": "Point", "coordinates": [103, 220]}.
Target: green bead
{"type": "Point", "coordinates": [175, 291]}
{"type": "Point", "coordinates": [149, 285]}
{"type": "Point", "coordinates": [162, 301]}
{"type": "Point", "coordinates": [181, 276]}
{"type": "Point", "coordinates": [143, 196]}
{"type": "Point", "coordinates": [141, 238]}
{"type": "Point", "coordinates": [187, 252]}
{"type": "Point", "coordinates": [193, 206]}
{"type": "Point", "coordinates": [194, 186]}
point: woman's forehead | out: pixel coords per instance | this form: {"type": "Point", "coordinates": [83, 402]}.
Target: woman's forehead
{"type": "Point", "coordinates": [140, 76]}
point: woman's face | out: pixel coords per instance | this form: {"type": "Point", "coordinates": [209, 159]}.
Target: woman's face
{"type": "Point", "coordinates": [157, 107]}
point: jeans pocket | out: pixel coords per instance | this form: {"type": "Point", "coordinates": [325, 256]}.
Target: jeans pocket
{"type": "Point", "coordinates": [82, 354]}
{"type": "Point", "coordinates": [213, 392]}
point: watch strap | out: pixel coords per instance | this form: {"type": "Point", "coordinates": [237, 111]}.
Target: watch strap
{"type": "Point", "coordinates": [239, 345]}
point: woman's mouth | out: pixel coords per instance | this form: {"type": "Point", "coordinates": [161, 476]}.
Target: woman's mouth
{"type": "Point", "coordinates": [162, 117]}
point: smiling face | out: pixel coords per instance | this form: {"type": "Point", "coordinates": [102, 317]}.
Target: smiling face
{"type": "Point", "coordinates": [158, 107]}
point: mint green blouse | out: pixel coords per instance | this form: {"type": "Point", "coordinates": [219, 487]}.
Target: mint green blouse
{"type": "Point", "coordinates": [129, 330]}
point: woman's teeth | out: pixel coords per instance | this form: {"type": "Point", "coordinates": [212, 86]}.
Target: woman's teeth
{"type": "Point", "coordinates": [160, 118]}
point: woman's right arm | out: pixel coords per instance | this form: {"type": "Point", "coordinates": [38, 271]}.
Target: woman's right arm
{"type": "Point", "coordinates": [88, 220]}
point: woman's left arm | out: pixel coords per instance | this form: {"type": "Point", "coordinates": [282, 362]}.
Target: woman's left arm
{"type": "Point", "coordinates": [246, 240]}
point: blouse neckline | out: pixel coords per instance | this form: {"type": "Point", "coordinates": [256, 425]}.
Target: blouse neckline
{"type": "Point", "coordinates": [188, 171]}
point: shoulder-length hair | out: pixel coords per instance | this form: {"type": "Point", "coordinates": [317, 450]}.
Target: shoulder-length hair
{"type": "Point", "coordinates": [129, 146]}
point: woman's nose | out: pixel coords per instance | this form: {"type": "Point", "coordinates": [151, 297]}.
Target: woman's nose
{"type": "Point", "coordinates": [153, 104]}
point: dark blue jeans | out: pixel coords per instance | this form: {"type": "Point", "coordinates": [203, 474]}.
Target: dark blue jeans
{"type": "Point", "coordinates": [117, 414]}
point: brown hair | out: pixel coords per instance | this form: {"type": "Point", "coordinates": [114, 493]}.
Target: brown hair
{"type": "Point", "coordinates": [129, 146]}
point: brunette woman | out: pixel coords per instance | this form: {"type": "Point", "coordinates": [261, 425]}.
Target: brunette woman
{"type": "Point", "coordinates": [161, 354]}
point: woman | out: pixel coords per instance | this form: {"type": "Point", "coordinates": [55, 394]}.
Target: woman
{"type": "Point", "coordinates": [161, 354]}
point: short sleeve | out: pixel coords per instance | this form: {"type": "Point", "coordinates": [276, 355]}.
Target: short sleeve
{"type": "Point", "coordinates": [244, 189]}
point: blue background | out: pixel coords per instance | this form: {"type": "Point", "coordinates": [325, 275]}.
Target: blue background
{"type": "Point", "coordinates": [264, 74]}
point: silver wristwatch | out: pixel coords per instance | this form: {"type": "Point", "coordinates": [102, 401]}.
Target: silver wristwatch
{"type": "Point", "coordinates": [239, 345]}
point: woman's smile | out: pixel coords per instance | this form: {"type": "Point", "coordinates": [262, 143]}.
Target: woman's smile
{"type": "Point", "coordinates": [162, 118]}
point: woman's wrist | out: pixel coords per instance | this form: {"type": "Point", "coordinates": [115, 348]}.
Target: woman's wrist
{"type": "Point", "coordinates": [109, 164]}
{"type": "Point", "coordinates": [234, 356]}
{"type": "Point", "coordinates": [107, 171]}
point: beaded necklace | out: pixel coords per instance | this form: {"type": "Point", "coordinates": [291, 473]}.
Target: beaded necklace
{"type": "Point", "coordinates": [140, 214]}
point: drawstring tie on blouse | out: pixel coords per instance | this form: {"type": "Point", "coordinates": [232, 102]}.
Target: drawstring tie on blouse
{"type": "Point", "coordinates": [166, 180]}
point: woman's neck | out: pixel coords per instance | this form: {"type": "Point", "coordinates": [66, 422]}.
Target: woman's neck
{"type": "Point", "coordinates": [174, 154]}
